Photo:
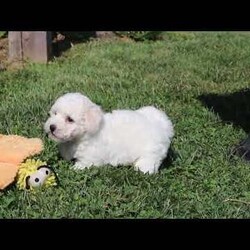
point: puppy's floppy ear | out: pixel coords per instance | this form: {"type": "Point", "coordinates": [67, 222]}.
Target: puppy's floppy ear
{"type": "Point", "coordinates": [93, 119]}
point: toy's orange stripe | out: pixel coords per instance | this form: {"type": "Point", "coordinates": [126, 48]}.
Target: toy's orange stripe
{"type": "Point", "coordinates": [14, 150]}
{"type": "Point", "coordinates": [7, 174]}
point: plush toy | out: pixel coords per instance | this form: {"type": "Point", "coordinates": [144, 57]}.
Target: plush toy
{"type": "Point", "coordinates": [13, 151]}
{"type": "Point", "coordinates": [35, 173]}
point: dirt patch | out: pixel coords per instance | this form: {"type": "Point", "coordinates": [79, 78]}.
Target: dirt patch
{"type": "Point", "coordinates": [60, 44]}
{"type": "Point", "coordinates": [3, 53]}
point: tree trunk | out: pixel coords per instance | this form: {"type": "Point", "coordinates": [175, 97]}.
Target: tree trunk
{"type": "Point", "coordinates": [35, 46]}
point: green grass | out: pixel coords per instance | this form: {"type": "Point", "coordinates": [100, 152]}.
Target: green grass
{"type": "Point", "coordinates": [2, 33]}
{"type": "Point", "coordinates": [172, 74]}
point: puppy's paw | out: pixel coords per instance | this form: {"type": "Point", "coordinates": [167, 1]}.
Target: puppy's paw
{"type": "Point", "coordinates": [79, 166]}
{"type": "Point", "coordinates": [147, 165]}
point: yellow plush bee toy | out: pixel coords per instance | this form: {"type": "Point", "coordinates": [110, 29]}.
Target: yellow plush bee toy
{"type": "Point", "coordinates": [33, 174]}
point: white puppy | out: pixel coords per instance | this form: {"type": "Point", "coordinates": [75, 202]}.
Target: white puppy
{"type": "Point", "coordinates": [123, 137]}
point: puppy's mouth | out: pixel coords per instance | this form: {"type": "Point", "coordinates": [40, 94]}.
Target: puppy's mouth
{"type": "Point", "coordinates": [54, 137]}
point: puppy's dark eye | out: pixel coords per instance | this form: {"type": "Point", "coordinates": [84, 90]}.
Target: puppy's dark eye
{"type": "Point", "coordinates": [69, 119]}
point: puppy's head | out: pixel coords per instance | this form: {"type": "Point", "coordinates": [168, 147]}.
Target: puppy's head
{"type": "Point", "coordinates": [72, 116]}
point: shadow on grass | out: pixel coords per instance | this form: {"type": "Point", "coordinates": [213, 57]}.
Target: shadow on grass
{"type": "Point", "coordinates": [232, 108]}
{"type": "Point", "coordinates": [10, 187]}
{"type": "Point", "coordinates": [63, 40]}
{"type": "Point", "coordinates": [168, 161]}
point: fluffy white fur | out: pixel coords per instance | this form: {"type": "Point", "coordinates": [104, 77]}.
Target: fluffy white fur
{"type": "Point", "coordinates": [123, 137]}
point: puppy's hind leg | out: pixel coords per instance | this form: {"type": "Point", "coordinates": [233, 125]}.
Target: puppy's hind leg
{"type": "Point", "coordinates": [148, 164]}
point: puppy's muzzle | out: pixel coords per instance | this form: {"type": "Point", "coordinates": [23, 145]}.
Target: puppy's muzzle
{"type": "Point", "coordinates": [52, 128]}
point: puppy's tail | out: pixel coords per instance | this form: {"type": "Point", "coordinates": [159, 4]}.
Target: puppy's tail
{"type": "Point", "coordinates": [154, 114]}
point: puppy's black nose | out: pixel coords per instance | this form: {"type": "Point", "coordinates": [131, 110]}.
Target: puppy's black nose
{"type": "Point", "coordinates": [52, 128]}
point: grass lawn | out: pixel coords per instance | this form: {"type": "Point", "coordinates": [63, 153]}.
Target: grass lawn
{"type": "Point", "coordinates": [197, 78]}
{"type": "Point", "coordinates": [2, 33]}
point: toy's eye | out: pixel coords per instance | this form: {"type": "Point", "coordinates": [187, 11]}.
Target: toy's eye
{"type": "Point", "coordinates": [44, 169]}
{"type": "Point", "coordinates": [69, 119]}
{"type": "Point", "coordinates": [37, 179]}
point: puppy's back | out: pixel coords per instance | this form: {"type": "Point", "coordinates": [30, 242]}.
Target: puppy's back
{"type": "Point", "coordinates": [159, 117]}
